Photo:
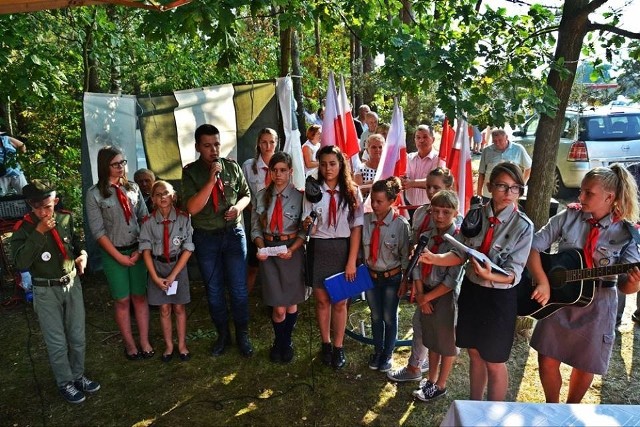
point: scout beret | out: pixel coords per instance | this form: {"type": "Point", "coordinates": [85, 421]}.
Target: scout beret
{"type": "Point", "coordinates": [36, 191]}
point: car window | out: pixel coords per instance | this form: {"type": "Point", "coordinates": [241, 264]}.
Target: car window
{"type": "Point", "coordinates": [612, 127]}
{"type": "Point", "coordinates": [531, 126]}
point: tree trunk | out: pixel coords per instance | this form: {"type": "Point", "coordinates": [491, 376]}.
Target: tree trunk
{"type": "Point", "coordinates": [285, 51]}
{"type": "Point", "coordinates": [368, 91]}
{"type": "Point", "coordinates": [356, 76]}
{"type": "Point", "coordinates": [316, 34]}
{"type": "Point", "coordinates": [90, 72]}
{"type": "Point", "coordinates": [573, 27]}
{"type": "Point", "coordinates": [297, 82]}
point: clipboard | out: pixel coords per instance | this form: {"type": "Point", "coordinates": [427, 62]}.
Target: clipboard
{"type": "Point", "coordinates": [340, 289]}
{"type": "Point", "coordinates": [479, 256]}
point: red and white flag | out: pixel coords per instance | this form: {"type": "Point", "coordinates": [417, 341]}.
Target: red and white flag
{"type": "Point", "coordinates": [458, 160]}
{"type": "Point", "coordinates": [337, 125]}
{"type": "Point", "coordinates": [393, 161]}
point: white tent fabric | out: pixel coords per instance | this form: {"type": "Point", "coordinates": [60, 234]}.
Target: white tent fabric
{"type": "Point", "coordinates": [292, 144]}
{"type": "Point", "coordinates": [213, 105]}
{"type": "Point", "coordinates": [111, 120]}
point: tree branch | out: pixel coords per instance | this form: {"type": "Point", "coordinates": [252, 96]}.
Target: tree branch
{"type": "Point", "coordinates": [591, 7]}
{"type": "Point", "coordinates": [593, 26]}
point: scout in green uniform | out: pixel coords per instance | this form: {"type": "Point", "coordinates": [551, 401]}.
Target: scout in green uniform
{"type": "Point", "coordinates": [45, 243]}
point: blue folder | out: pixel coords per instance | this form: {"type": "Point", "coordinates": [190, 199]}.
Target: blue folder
{"type": "Point", "coordinates": [339, 288]}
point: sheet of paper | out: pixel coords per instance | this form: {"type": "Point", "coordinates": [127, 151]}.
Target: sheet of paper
{"type": "Point", "coordinates": [273, 250]}
{"type": "Point", "coordinates": [173, 288]}
{"type": "Point", "coordinates": [479, 256]}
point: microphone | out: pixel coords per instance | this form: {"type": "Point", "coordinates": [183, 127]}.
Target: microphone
{"type": "Point", "coordinates": [313, 216]}
{"type": "Point", "coordinates": [422, 243]}
{"type": "Point", "coordinates": [218, 172]}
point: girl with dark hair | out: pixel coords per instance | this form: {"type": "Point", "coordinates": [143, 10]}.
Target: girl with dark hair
{"type": "Point", "coordinates": [275, 222]}
{"type": "Point", "coordinates": [334, 245]}
{"type": "Point", "coordinates": [602, 226]}
{"type": "Point", "coordinates": [385, 240]}
{"type": "Point", "coordinates": [115, 208]}
{"type": "Point", "coordinates": [487, 306]}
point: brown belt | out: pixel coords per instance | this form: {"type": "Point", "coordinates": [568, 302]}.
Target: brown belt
{"type": "Point", "coordinates": [376, 275]}
{"type": "Point", "coordinates": [280, 237]}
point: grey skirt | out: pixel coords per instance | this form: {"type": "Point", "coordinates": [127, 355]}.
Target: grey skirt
{"type": "Point", "coordinates": [283, 279]}
{"type": "Point", "coordinates": [157, 296]}
{"type": "Point", "coordinates": [438, 328]}
{"type": "Point", "coordinates": [326, 257]}
{"type": "Point", "coordinates": [581, 337]}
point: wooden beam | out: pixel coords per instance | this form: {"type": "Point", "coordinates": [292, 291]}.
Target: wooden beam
{"type": "Point", "coordinates": [23, 6]}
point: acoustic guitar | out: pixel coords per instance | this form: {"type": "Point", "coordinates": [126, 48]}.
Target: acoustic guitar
{"type": "Point", "coordinates": [570, 282]}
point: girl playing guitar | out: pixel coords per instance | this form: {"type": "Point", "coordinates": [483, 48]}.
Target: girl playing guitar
{"type": "Point", "coordinates": [583, 337]}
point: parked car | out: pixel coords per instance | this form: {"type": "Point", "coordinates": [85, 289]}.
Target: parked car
{"type": "Point", "coordinates": [589, 138]}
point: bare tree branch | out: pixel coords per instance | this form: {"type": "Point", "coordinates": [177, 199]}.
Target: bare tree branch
{"type": "Point", "coordinates": [478, 4]}
{"type": "Point", "coordinates": [593, 26]}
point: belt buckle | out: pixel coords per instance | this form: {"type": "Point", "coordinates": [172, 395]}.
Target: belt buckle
{"type": "Point", "coordinates": [65, 280]}
{"type": "Point", "coordinates": [276, 237]}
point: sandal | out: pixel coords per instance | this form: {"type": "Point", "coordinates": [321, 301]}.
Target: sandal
{"type": "Point", "coordinates": [148, 354]}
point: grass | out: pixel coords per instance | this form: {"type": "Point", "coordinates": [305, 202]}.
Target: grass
{"type": "Point", "coordinates": [239, 391]}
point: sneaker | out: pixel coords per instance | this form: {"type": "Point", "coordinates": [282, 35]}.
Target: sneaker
{"type": "Point", "coordinates": [71, 394]}
{"type": "Point", "coordinates": [424, 368]}
{"type": "Point", "coordinates": [86, 385]}
{"type": "Point", "coordinates": [425, 383]}
{"type": "Point", "coordinates": [385, 364]}
{"type": "Point", "coordinates": [403, 374]}
{"type": "Point", "coordinates": [427, 394]}
{"type": "Point", "coordinates": [374, 360]}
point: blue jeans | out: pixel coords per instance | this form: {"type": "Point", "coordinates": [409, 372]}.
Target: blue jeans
{"type": "Point", "coordinates": [222, 258]}
{"type": "Point", "coordinates": [383, 302]}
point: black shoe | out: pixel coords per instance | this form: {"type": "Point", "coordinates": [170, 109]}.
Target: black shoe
{"type": "Point", "coordinates": [221, 344]}
{"type": "Point", "coordinates": [286, 353]}
{"type": "Point", "coordinates": [244, 343]}
{"type": "Point", "coordinates": [185, 357]}
{"type": "Point", "coordinates": [326, 353]}
{"type": "Point", "coordinates": [135, 356]}
{"type": "Point", "coordinates": [166, 358]}
{"type": "Point", "coordinates": [374, 360]}
{"type": "Point", "coordinates": [338, 360]}
{"type": "Point", "coordinates": [274, 354]}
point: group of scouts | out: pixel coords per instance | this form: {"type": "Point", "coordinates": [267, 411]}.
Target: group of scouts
{"type": "Point", "coordinates": [460, 302]}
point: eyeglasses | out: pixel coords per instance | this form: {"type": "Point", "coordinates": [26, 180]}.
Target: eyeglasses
{"type": "Point", "coordinates": [503, 188]}
{"type": "Point", "coordinates": [120, 164]}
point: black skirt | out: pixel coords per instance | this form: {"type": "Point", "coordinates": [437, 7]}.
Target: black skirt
{"type": "Point", "coordinates": [487, 320]}
{"type": "Point", "coordinates": [326, 257]}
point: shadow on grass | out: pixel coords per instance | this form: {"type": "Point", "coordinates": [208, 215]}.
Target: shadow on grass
{"type": "Point", "coordinates": [229, 389]}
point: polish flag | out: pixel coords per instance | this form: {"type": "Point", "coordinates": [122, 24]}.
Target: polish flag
{"type": "Point", "coordinates": [350, 138]}
{"type": "Point", "coordinates": [446, 142]}
{"type": "Point", "coordinates": [337, 125]}
{"type": "Point", "coordinates": [393, 161]}
{"type": "Point", "coordinates": [459, 162]}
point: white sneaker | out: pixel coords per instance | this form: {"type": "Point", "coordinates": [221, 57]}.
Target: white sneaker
{"type": "Point", "coordinates": [425, 366]}
{"type": "Point", "coordinates": [403, 374]}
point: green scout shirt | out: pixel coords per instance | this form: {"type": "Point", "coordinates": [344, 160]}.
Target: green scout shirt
{"type": "Point", "coordinates": [28, 247]}
{"type": "Point", "coordinates": [194, 177]}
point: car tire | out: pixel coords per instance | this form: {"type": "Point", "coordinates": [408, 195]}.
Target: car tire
{"type": "Point", "coordinates": [559, 190]}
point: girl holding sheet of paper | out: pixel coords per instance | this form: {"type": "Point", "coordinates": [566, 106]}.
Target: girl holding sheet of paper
{"type": "Point", "coordinates": [487, 307]}
{"type": "Point", "coordinates": [166, 245]}
{"type": "Point", "coordinates": [275, 223]}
